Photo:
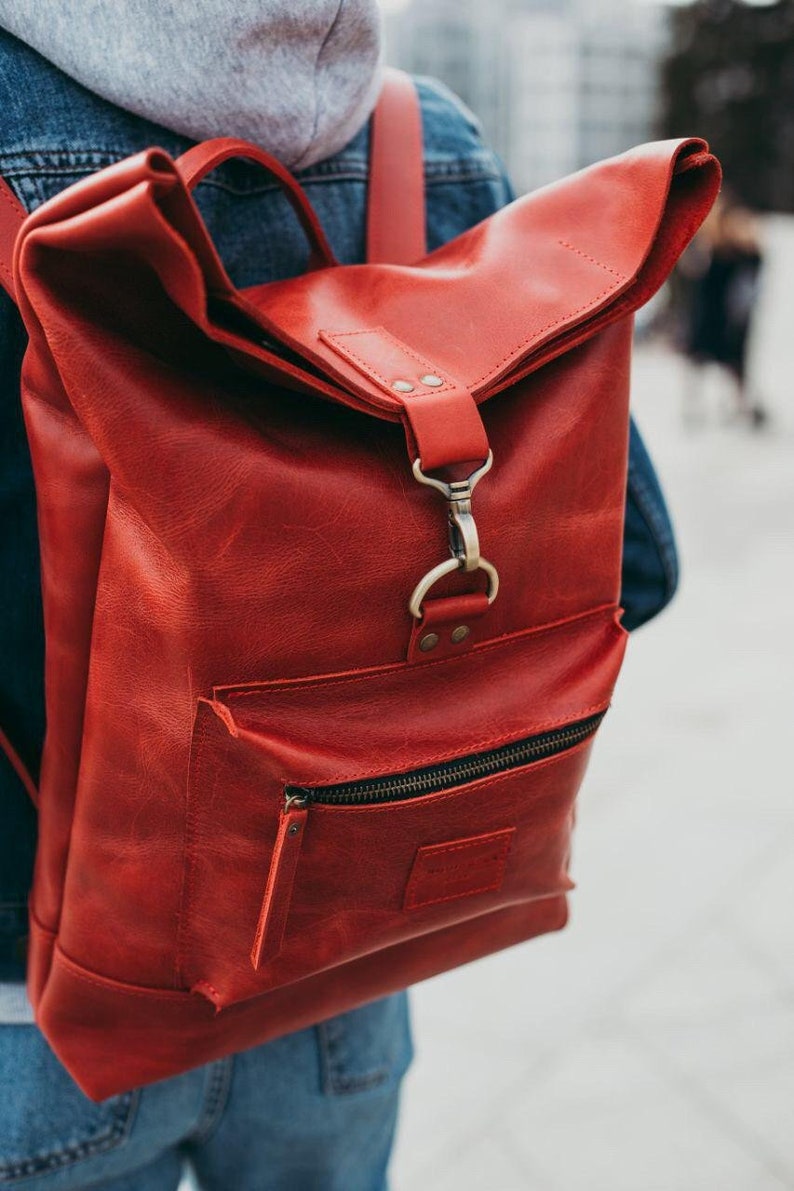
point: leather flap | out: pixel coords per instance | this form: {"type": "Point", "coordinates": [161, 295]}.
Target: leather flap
{"type": "Point", "coordinates": [497, 302]}
{"type": "Point", "coordinates": [507, 296]}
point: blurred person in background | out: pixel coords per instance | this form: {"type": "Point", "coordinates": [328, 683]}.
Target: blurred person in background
{"type": "Point", "coordinates": [82, 86]}
{"type": "Point", "coordinates": [722, 269]}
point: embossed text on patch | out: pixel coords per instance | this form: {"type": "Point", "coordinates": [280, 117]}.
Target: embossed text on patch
{"type": "Point", "coordinates": [458, 868]}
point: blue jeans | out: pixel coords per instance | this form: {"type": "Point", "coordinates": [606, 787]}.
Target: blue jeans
{"type": "Point", "coordinates": [315, 1111]}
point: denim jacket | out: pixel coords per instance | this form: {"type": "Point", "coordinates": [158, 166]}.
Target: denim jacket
{"type": "Point", "coordinates": [52, 133]}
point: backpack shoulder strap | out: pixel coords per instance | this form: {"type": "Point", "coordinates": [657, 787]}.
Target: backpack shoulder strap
{"type": "Point", "coordinates": [396, 193]}
{"type": "Point", "coordinates": [19, 767]}
{"type": "Point", "coordinates": [12, 214]}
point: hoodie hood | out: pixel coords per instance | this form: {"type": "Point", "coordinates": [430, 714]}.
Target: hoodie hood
{"type": "Point", "coordinates": [297, 77]}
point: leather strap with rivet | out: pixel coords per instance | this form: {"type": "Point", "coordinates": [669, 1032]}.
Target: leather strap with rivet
{"type": "Point", "coordinates": [447, 626]}
{"type": "Point", "coordinates": [443, 422]}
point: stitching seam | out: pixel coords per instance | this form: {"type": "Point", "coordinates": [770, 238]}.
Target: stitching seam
{"type": "Point", "coordinates": [215, 1100]}
{"type": "Point", "coordinates": [591, 259]}
{"type": "Point", "coordinates": [188, 864]}
{"type": "Point", "coordinates": [605, 613]}
{"type": "Point", "coordinates": [477, 746]}
{"type": "Point", "coordinates": [559, 322]}
{"type": "Point", "coordinates": [461, 790]}
{"type": "Point", "coordinates": [447, 849]}
{"type": "Point", "coordinates": [334, 338]}
{"type": "Point", "coordinates": [114, 988]}
{"type": "Point", "coordinates": [115, 1132]}
{"type": "Point", "coordinates": [453, 897]}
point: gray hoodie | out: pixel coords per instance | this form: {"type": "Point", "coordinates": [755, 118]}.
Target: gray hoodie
{"type": "Point", "coordinates": [298, 77]}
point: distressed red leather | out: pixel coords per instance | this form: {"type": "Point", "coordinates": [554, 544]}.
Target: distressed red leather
{"type": "Point", "coordinates": [230, 538]}
{"type": "Point", "coordinates": [458, 868]}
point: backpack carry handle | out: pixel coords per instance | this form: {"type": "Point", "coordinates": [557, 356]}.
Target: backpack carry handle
{"type": "Point", "coordinates": [199, 161]}
{"type": "Point", "coordinates": [396, 207]}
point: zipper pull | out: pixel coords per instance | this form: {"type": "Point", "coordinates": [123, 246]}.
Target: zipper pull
{"type": "Point", "coordinates": [278, 891]}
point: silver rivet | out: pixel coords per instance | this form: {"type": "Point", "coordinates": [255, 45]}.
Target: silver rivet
{"type": "Point", "coordinates": [460, 633]}
{"type": "Point", "coordinates": [431, 380]}
{"type": "Point", "coordinates": [403, 386]}
{"type": "Point", "coordinates": [293, 829]}
{"type": "Point", "coordinates": [429, 641]}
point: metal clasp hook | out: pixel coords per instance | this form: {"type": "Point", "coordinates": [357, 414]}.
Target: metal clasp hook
{"type": "Point", "coordinates": [464, 542]}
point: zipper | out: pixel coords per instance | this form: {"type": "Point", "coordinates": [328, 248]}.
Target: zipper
{"type": "Point", "coordinates": [273, 915]}
{"type": "Point", "coordinates": [293, 821]}
{"type": "Point", "coordinates": [435, 778]}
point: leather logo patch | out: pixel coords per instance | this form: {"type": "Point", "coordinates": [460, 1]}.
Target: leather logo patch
{"type": "Point", "coordinates": [459, 868]}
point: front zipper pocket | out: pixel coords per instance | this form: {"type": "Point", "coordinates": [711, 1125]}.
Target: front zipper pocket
{"type": "Point", "coordinates": [334, 817]}
{"type": "Point", "coordinates": [397, 786]}
{"type": "Point", "coordinates": [400, 787]}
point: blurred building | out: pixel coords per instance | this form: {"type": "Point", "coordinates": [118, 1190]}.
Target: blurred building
{"type": "Point", "coordinates": [557, 83]}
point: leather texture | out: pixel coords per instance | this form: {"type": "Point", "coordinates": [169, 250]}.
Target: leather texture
{"type": "Point", "coordinates": [230, 533]}
{"type": "Point", "coordinates": [396, 231]}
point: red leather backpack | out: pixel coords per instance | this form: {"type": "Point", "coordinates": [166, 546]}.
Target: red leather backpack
{"type": "Point", "coordinates": [331, 570]}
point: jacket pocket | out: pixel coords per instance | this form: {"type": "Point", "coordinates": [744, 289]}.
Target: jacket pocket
{"type": "Point", "coordinates": [334, 816]}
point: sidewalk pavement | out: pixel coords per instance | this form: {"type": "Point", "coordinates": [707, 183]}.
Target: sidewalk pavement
{"type": "Point", "coordinates": [650, 1046]}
